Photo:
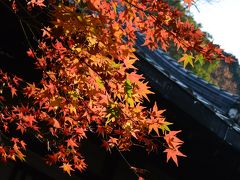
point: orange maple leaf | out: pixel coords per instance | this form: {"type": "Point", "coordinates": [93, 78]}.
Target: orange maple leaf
{"type": "Point", "coordinates": [173, 153]}
{"type": "Point", "coordinates": [46, 32]}
{"type": "Point", "coordinates": [154, 127]}
{"type": "Point", "coordinates": [172, 140]}
{"type": "Point", "coordinates": [113, 141]}
{"type": "Point", "coordinates": [39, 3]}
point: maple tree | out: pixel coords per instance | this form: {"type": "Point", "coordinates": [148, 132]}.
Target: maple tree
{"type": "Point", "coordinates": [89, 83]}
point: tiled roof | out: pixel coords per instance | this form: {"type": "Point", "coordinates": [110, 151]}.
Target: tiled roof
{"type": "Point", "coordinates": [224, 105]}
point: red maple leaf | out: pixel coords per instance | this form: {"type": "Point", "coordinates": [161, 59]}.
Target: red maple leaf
{"type": "Point", "coordinates": [71, 143]}
{"type": "Point", "coordinates": [16, 80]}
{"type": "Point", "coordinates": [58, 46]}
{"type": "Point", "coordinates": [14, 6]}
{"type": "Point", "coordinates": [21, 128]}
{"type": "Point", "coordinates": [13, 91]}
{"type": "Point", "coordinates": [81, 165]}
{"type": "Point", "coordinates": [30, 119]}
{"type": "Point", "coordinates": [23, 144]}
{"type": "Point", "coordinates": [30, 53]}
{"type": "Point", "coordinates": [51, 88]}
{"type": "Point", "coordinates": [106, 145]}
{"type": "Point", "coordinates": [80, 131]}
{"type": "Point", "coordinates": [2, 98]}
{"type": "Point", "coordinates": [52, 158]}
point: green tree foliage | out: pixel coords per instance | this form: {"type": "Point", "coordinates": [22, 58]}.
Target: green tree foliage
{"type": "Point", "coordinates": [219, 73]}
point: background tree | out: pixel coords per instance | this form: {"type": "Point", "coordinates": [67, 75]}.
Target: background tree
{"type": "Point", "coordinates": [219, 73]}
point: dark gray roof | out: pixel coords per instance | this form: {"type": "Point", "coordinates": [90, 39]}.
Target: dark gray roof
{"type": "Point", "coordinates": [223, 106]}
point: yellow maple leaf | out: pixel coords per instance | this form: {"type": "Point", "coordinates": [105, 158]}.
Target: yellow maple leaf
{"type": "Point", "coordinates": [186, 59]}
{"type": "Point", "coordinates": [67, 167]}
{"type": "Point", "coordinates": [72, 109]}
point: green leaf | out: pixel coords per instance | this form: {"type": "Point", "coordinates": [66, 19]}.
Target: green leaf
{"type": "Point", "coordinates": [200, 59]}
{"type": "Point", "coordinates": [128, 88]}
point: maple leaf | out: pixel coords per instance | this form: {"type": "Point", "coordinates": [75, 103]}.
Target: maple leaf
{"type": "Point", "coordinates": [55, 123]}
{"type": "Point", "coordinates": [14, 6]}
{"type": "Point", "coordinates": [13, 91]}
{"type": "Point", "coordinates": [128, 88]}
{"type": "Point", "coordinates": [67, 167]}
{"type": "Point", "coordinates": [173, 153]}
{"type": "Point", "coordinates": [19, 154]}
{"type": "Point", "coordinates": [16, 80]}
{"type": "Point", "coordinates": [46, 32]}
{"type": "Point", "coordinates": [81, 132]}
{"type": "Point", "coordinates": [106, 145]}
{"type": "Point", "coordinates": [101, 130]}
{"type": "Point", "coordinates": [58, 46]}
{"type": "Point", "coordinates": [72, 109]}
{"type": "Point", "coordinates": [144, 90]}
{"type": "Point", "coordinates": [15, 140]}
{"type": "Point", "coordinates": [157, 113]}
{"type": "Point", "coordinates": [21, 128]}
{"type": "Point", "coordinates": [30, 53]}
{"type": "Point", "coordinates": [2, 99]}
{"type": "Point", "coordinates": [153, 126]}
{"type": "Point", "coordinates": [172, 140]}
{"type": "Point", "coordinates": [189, 2]}
{"type": "Point", "coordinates": [71, 143]}
{"type": "Point", "coordinates": [113, 141]}
{"type": "Point", "coordinates": [134, 77]}
{"type": "Point", "coordinates": [23, 144]}
{"type": "Point", "coordinates": [51, 158]}
{"type": "Point", "coordinates": [130, 60]}
{"type": "Point", "coordinates": [186, 59]}
{"type": "Point", "coordinates": [229, 60]}
{"type": "Point", "coordinates": [81, 165]}
{"type": "Point", "coordinates": [200, 59]}
{"type": "Point", "coordinates": [69, 119]}
{"type": "Point", "coordinates": [29, 119]}
{"type": "Point", "coordinates": [30, 90]}
{"type": "Point", "coordinates": [134, 133]}
{"type": "Point", "coordinates": [51, 88]}
{"type": "Point", "coordinates": [39, 3]}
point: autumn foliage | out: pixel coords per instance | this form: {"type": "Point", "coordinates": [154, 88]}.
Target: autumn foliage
{"type": "Point", "coordinates": [89, 83]}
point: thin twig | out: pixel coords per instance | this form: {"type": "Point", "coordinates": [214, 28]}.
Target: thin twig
{"type": "Point", "coordinates": [126, 161]}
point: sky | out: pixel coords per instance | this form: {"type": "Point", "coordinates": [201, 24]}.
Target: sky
{"type": "Point", "coordinates": [221, 19]}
